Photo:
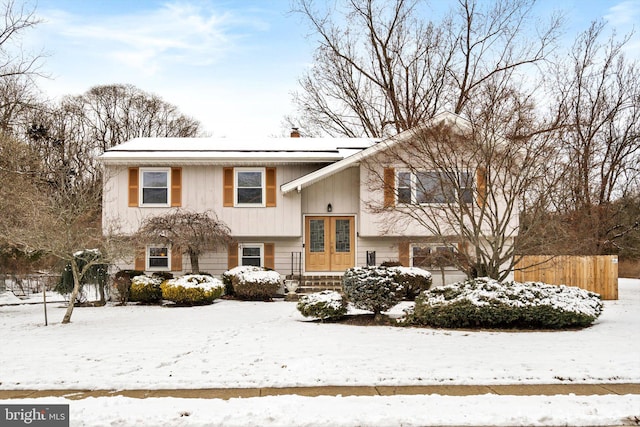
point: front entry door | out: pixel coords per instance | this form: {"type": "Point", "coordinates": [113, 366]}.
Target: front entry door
{"type": "Point", "coordinates": [329, 243]}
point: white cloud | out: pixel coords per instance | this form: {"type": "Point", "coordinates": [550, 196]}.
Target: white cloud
{"type": "Point", "coordinates": [624, 13]}
{"type": "Point", "coordinates": [150, 40]}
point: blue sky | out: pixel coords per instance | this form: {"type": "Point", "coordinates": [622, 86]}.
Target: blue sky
{"type": "Point", "coordinates": [231, 64]}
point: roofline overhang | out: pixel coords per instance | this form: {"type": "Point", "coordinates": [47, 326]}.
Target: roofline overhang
{"type": "Point", "coordinates": [355, 159]}
{"type": "Point", "coordinates": [181, 160]}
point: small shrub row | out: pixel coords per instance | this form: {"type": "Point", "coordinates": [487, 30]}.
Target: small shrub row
{"type": "Point", "coordinates": [487, 303]}
{"type": "Point", "coordinates": [375, 289]}
{"type": "Point", "coordinates": [194, 289]}
{"type": "Point", "coordinates": [252, 283]}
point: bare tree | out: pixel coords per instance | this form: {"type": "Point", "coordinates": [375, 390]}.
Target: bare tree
{"type": "Point", "coordinates": [113, 114]}
{"type": "Point", "coordinates": [463, 182]}
{"type": "Point", "coordinates": [193, 233]}
{"type": "Point", "coordinates": [598, 98]}
{"type": "Point", "coordinates": [57, 224]}
{"type": "Point", "coordinates": [382, 67]}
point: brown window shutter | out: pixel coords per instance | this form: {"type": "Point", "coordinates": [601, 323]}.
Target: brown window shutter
{"type": "Point", "coordinates": [176, 259]}
{"type": "Point", "coordinates": [271, 187]}
{"type": "Point", "coordinates": [403, 254]}
{"type": "Point", "coordinates": [134, 186]}
{"type": "Point", "coordinates": [481, 185]}
{"type": "Point", "coordinates": [176, 187]}
{"type": "Point", "coordinates": [232, 259]}
{"type": "Point", "coordinates": [140, 263]}
{"type": "Point", "coordinates": [389, 187]}
{"type": "Point", "coordinates": [463, 247]}
{"type": "Point", "coordinates": [269, 255]}
{"type": "Point", "coordinates": [227, 187]}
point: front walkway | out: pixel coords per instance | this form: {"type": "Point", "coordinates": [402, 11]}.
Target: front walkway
{"type": "Point", "coordinates": [445, 390]}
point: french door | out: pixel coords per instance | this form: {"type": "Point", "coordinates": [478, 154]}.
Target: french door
{"type": "Point", "coordinates": [329, 243]}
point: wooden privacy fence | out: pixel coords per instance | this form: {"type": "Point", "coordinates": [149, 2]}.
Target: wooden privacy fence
{"type": "Point", "coordinates": [594, 273]}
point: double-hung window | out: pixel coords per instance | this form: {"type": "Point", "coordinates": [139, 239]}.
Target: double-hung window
{"type": "Point", "coordinates": [250, 187]}
{"type": "Point", "coordinates": [158, 258]}
{"type": "Point", "coordinates": [251, 254]}
{"type": "Point", "coordinates": [155, 187]}
{"type": "Point", "coordinates": [426, 187]}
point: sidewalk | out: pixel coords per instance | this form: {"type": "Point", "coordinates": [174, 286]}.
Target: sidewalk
{"type": "Point", "coordinates": [446, 390]}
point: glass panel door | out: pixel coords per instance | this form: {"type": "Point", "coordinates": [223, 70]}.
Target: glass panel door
{"type": "Point", "coordinates": [343, 235]}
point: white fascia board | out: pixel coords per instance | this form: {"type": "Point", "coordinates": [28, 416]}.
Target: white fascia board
{"type": "Point", "coordinates": [113, 158]}
{"type": "Point", "coordinates": [353, 160]}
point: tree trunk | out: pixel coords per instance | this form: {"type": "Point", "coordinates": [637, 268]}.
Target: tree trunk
{"type": "Point", "coordinates": [74, 292]}
{"type": "Point", "coordinates": [195, 263]}
{"type": "Point", "coordinates": [103, 299]}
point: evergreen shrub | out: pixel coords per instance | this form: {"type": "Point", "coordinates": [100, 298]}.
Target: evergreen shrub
{"type": "Point", "coordinates": [229, 275]}
{"type": "Point", "coordinates": [145, 289]}
{"type": "Point", "coordinates": [323, 305]}
{"type": "Point", "coordinates": [372, 288]}
{"type": "Point", "coordinates": [414, 280]}
{"type": "Point", "coordinates": [256, 285]}
{"type": "Point", "coordinates": [192, 289]}
{"type": "Point", "coordinates": [487, 303]}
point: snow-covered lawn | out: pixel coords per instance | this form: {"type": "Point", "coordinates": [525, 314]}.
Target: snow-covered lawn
{"type": "Point", "coordinates": [256, 344]}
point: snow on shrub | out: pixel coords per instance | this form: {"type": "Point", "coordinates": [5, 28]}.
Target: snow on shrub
{"type": "Point", "coordinates": [487, 303]}
{"type": "Point", "coordinates": [192, 289]}
{"type": "Point", "coordinates": [323, 305]}
{"type": "Point", "coordinates": [145, 289]}
{"type": "Point", "coordinates": [227, 276]}
{"type": "Point", "coordinates": [254, 283]}
{"type": "Point", "coordinates": [414, 280]}
{"type": "Point", "coordinates": [372, 288]}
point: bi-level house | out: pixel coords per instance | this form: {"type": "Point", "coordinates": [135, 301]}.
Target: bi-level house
{"type": "Point", "coordinates": [307, 207]}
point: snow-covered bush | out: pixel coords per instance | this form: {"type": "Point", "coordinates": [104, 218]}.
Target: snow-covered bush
{"type": "Point", "coordinates": [372, 288]}
{"type": "Point", "coordinates": [228, 276]}
{"type": "Point", "coordinates": [192, 289]}
{"type": "Point", "coordinates": [254, 283]}
{"type": "Point", "coordinates": [414, 280]}
{"type": "Point", "coordinates": [145, 289]}
{"type": "Point", "coordinates": [487, 303]}
{"type": "Point", "coordinates": [323, 305]}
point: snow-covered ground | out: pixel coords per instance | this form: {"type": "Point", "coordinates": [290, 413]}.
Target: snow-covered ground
{"type": "Point", "coordinates": [247, 344]}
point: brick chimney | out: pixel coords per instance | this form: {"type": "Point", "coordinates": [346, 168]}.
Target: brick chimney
{"type": "Point", "coordinates": [295, 133]}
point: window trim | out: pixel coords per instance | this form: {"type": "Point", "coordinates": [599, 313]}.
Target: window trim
{"type": "Point", "coordinates": [236, 187]}
{"type": "Point", "coordinates": [147, 258]}
{"type": "Point", "coordinates": [413, 187]}
{"type": "Point", "coordinates": [141, 186]}
{"type": "Point", "coordinates": [251, 245]}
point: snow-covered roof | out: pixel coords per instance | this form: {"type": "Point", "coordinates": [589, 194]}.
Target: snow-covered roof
{"type": "Point", "coordinates": [228, 150]}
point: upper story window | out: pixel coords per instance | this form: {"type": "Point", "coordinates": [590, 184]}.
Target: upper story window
{"type": "Point", "coordinates": [155, 187]}
{"type": "Point", "coordinates": [250, 188]}
{"type": "Point", "coordinates": [425, 187]}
